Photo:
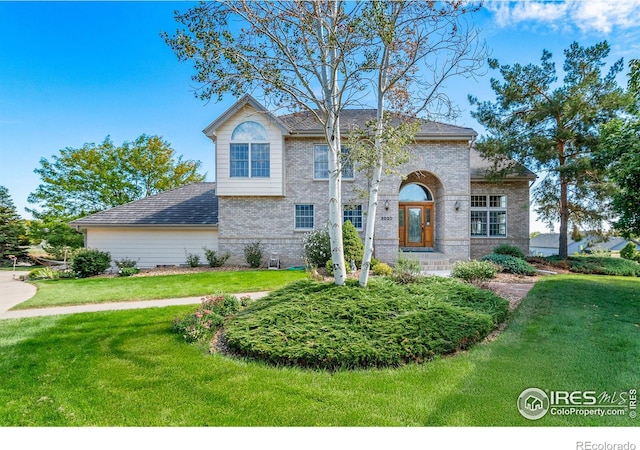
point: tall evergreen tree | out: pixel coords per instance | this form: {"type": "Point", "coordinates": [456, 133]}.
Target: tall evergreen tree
{"type": "Point", "coordinates": [620, 155]}
{"type": "Point", "coordinates": [553, 130]}
{"type": "Point", "coordinates": [13, 240]}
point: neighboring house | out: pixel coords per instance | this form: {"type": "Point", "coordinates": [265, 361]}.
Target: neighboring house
{"type": "Point", "coordinates": [547, 244]}
{"type": "Point", "coordinates": [272, 186]}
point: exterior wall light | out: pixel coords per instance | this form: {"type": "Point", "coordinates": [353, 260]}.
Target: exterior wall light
{"type": "Point", "coordinates": [456, 205]}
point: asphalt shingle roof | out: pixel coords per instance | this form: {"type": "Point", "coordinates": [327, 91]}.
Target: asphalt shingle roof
{"type": "Point", "coordinates": [305, 122]}
{"type": "Point", "coordinates": [190, 205]}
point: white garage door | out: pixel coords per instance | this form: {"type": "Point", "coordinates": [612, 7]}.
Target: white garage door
{"type": "Point", "coordinates": [152, 247]}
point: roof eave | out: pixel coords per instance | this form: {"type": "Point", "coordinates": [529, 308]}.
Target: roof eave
{"type": "Point", "coordinates": [78, 224]}
{"type": "Point", "coordinates": [484, 179]}
{"type": "Point", "coordinates": [418, 137]}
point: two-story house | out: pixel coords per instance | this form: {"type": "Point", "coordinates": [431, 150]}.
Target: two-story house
{"type": "Point", "coordinates": [272, 186]}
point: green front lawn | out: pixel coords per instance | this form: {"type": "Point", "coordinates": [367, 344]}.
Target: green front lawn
{"type": "Point", "coordinates": [101, 290]}
{"type": "Point", "coordinates": [126, 368]}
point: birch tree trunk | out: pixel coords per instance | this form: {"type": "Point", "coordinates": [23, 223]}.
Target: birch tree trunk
{"type": "Point", "coordinates": [330, 75]}
{"type": "Point", "coordinates": [374, 189]}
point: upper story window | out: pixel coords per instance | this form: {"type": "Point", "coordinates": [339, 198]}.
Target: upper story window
{"type": "Point", "coordinates": [321, 163]}
{"type": "Point", "coordinates": [249, 151]}
{"type": "Point", "coordinates": [489, 216]}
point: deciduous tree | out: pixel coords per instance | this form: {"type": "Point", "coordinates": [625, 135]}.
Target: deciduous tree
{"type": "Point", "coordinates": [412, 49]}
{"type": "Point", "coordinates": [300, 55]}
{"type": "Point", "coordinates": [325, 56]}
{"type": "Point", "coordinates": [81, 181]}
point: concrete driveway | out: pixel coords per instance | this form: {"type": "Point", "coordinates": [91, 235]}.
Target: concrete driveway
{"type": "Point", "coordinates": [13, 291]}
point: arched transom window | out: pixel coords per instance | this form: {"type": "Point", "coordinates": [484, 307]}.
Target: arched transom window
{"type": "Point", "coordinates": [249, 151]}
{"type": "Point", "coordinates": [415, 193]}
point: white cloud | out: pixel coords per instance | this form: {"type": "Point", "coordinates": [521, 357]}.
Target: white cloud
{"type": "Point", "coordinates": [600, 16]}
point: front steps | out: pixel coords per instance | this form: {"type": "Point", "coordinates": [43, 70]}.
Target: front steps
{"type": "Point", "coordinates": [433, 263]}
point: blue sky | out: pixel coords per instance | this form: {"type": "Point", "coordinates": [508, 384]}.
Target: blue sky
{"type": "Point", "coordinates": [76, 72]}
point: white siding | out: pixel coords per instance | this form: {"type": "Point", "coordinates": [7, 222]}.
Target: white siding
{"type": "Point", "coordinates": [151, 247]}
{"type": "Point", "coordinates": [228, 186]}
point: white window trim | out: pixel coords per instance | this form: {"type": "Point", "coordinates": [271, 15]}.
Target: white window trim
{"type": "Point", "coordinates": [487, 210]}
{"type": "Point", "coordinates": [295, 217]}
{"type": "Point", "coordinates": [313, 166]}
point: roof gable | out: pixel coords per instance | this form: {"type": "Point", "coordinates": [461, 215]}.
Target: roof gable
{"type": "Point", "coordinates": [191, 205]}
{"type": "Point", "coordinates": [245, 101]}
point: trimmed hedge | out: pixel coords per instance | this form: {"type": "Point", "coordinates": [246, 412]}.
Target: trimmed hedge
{"type": "Point", "coordinates": [320, 325]}
{"type": "Point", "coordinates": [511, 264]}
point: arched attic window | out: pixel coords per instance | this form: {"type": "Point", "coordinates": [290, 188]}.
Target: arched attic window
{"type": "Point", "coordinates": [415, 193]}
{"type": "Point", "coordinates": [249, 151]}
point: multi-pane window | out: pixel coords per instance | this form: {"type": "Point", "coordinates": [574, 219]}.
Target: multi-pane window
{"type": "Point", "coordinates": [304, 217]}
{"type": "Point", "coordinates": [248, 156]}
{"type": "Point", "coordinates": [489, 215]}
{"type": "Point", "coordinates": [354, 214]}
{"type": "Point", "coordinates": [239, 160]}
{"type": "Point", "coordinates": [321, 163]}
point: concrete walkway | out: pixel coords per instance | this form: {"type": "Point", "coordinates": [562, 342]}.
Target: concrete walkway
{"type": "Point", "coordinates": [13, 292]}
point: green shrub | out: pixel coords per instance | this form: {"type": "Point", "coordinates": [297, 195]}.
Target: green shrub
{"type": "Point", "coordinates": [629, 252]}
{"type": "Point", "coordinates": [213, 259]}
{"type": "Point", "coordinates": [317, 247]}
{"type": "Point", "coordinates": [598, 265]}
{"type": "Point", "coordinates": [321, 325]}
{"type": "Point", "coordinates": [511, 264]}
{"type": "Point", "coordinates": [90, 262]}
{"type": "Point", "coordinates": [44, 273]}
{"type": "Point", "coordinates": [193, 259]}
{"type": "Point", "coordinates": [128, 271]}
{"type": "Point", "coordinates": [352, 244]}
{"type": "Point", "coordinates": [208, 318]}
{"type": "Point", "coordinates": [407, 269]}
{"type": "Point", "coordinates": [381, 269]}
{"type": "Point", "coordinates": [125, 262]}
{"type": "Point", "coordinates": [474, 271]}
{"type": "Point", "coordinates": [127, 267]}
{"type": "Point", "coordinates": [253, 254]}
{"type": "Point", "coordinates": [509, 250]}
{"type": "Point", "coordinates": [329, 266]}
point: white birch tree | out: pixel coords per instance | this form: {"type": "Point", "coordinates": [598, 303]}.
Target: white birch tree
{"type": "Point", "coordinates": [414, 48]}
{"type": "Point", "coordinates": [301, 55]}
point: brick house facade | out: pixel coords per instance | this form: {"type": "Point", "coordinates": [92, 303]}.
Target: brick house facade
{"type": "Point", "coordinates": [447, 208]}
{"type": "Point", "coordinates": [272, 186]}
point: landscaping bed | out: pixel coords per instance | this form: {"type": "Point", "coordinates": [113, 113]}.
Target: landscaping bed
{"type": "Point", "coordinates": [320, 325]}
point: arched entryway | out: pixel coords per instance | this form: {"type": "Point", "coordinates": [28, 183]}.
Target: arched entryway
{"type": "Point", "coordinates": [416, 216]}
